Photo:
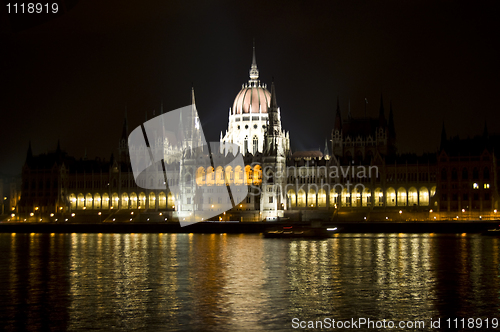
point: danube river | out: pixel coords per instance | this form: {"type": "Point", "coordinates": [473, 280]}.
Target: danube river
{"type": "Point", "coordinates": [243, 282]}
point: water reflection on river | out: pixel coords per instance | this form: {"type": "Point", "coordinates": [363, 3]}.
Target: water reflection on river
{"type": "Point", "coordinates": [241, 282]}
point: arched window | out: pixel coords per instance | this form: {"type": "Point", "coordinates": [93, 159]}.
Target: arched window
{"type": "Point", "coordinates": [152, 200]}
{"type": "Point", "coordinates": [454, 174]}
{"type": "Point", "coordinates": [133, 201]}
{"type": "Point", "coordinates": [210, 176]}
{"type": "Point", "coordinates": [257, 175]}
{"type": "Point", "coordinates": [141, 203]}
{"type": "Point", "coordinates": [219, 176]}
{"type": "Point", "coordinates": [72, 201]}
{"type": "Point", "coordinates": [475, 173]}
{"type": "Point", "coordinates": [188, 179]}
{"type": "Point", "coordinates": [200, 176]}
{"type": "Point", "coordinates": [255, 144]}
{"type": "Point", "coordinates": [238, 175]}
{"type": "Point", "coordinates": [245, 145]}
{"type": "Point", "coordinates": [229, 175]}
{"type": "Point", "coordinates": [115, 201]}
{"type": "Point", "coordinates": [125, 201]}
{"type": "Point", "coordinates": [465, 174]}
{"type": "Point", "coordinates": [292, 197]}
{"type": "Point", "coordinates": [97, 201]}
{"type": "Point", "coordinates": [444, 174]}
{"type": "Point", "coordinates": [162, 200]}
{"type": "Point", "coordinates": [105, 201]}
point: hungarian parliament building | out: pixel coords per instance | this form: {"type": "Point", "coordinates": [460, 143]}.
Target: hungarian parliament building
{"type": "Point", "coordinates": [359, 176]}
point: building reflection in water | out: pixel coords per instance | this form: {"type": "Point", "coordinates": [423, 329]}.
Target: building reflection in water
{"type": "Point", "coordinates": [241, 282]}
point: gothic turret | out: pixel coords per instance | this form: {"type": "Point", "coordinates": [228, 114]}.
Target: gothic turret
{"type": "Point", "coordinates": [123, 144]}
{"type": "Point", "coordinates": [381, 113]}
{"type": "Point", "coordinates": [391, 132]}
{"type": "Point", "coordinates": [443, 138]}
{"type": "Point", "coordinates": [338, 117]}
{"type": "Point", "coordinates": [254, 71]}
{"type": "Point", "coordinates": [29, 154]}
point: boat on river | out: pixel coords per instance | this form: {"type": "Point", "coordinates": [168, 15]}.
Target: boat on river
{"type": "Point", "coordinates": [292, 231]}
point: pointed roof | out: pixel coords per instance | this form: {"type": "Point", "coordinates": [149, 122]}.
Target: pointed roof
{"type": "Point", "coordinates": [338, 117]}
{"type": "Point", "coordinates": [443, 137]}
{"type": "Point", "coordinates": [254, 61]}
{"type": "Point", "coordinates": [29, 154]}
{"type": "Point", "coordinates": [125, 126]}
{"type": "Point", "coordinates": [273, 104]}
{"type": "Point", "coordinates": [381, 112]}
{"type": "Point", "coordinates": [254, 72]}
{"type": "Point", "coordinates": [327, 152]}
{"type": "Point", "coordinates": [392, 129]}
{"type": "Point", "coordinates": [193, 101]}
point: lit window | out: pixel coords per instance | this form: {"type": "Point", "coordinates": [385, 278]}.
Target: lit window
{"type": "Point", "coordinates": [486, 186]}
{"type": "Point", "coordinates": [475, 186]}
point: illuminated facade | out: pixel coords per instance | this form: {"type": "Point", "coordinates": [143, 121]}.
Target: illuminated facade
{"type": "Point", "coordinates": [363, 176]}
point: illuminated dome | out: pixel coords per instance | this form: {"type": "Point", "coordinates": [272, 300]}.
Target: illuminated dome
{"type": "Point", "coordinates": [253, 98]}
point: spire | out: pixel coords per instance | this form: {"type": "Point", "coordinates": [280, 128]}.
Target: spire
{"type": "Point", "coordinates": [327, 152]}
{"type": "Point", "coordinates": [381, 113]}
{"type": "Point", "coordinates": [254, 62]}
{"type": "Point", "coordinates": [391, 129]}
{"type": "Point", "coordinates": [125, 126]}
{"type": "Point", "coordinates": [273, 128]}
{"type": "Point", "coordinates": [273, 103]}
{"type": "Point", "coordinates": [443, 138]}
{"type": "Point", "coordinates": [391, 133]}
{"type": "Point", "coordinates": [193, 101]}
{"type": "Point", "coordinates": [29, 154]}
{"type": "Point", "coordinates": [338, 118]}
{"type": "Point", "coordinates": [254, 72]}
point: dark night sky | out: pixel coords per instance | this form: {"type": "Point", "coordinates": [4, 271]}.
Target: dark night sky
{"type": "Point", "coordinates": [71, 78]}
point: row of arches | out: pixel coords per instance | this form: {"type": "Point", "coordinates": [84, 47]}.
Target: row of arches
{"type": "Point", "coordinates": [226, 176]}
{"type": "Point", "coordinates": [359, 197]}
{"type": "Point", "coordinates": [123, 201]}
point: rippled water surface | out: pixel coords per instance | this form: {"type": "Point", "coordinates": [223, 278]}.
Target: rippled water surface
{"type": "Point", "coordinates": [241, 282]}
